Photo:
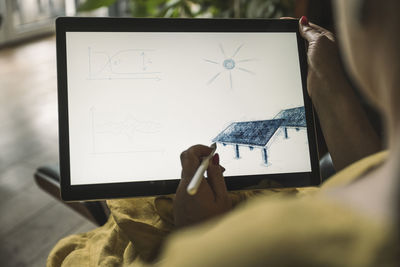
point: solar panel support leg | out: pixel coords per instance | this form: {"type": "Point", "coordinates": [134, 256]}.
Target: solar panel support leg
{"type": "Point", "coordinates": [265, 155]}
{"type": "Point", "coordinates": [237, 155]}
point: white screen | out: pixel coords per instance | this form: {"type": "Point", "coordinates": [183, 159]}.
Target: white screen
{"type": "Point", "coordinates": [137, 100]}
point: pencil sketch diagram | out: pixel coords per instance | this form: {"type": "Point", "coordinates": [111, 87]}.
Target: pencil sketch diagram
{"type": "Point", "coordinates": [122, 132]}
{"type": "Point", "coordinates": [263, 133]}
{"type": "Point", "coordinates": [229, 65]}
{"type": "Point", "coordinates": [122, 64]}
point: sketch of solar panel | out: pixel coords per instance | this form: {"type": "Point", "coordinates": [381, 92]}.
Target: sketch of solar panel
{"type": "Point", "coordinates": [292, 118]}
{"type": "Point", "coordinates": [295, 117]}
{"type": "Point", "coordinates": [228, 65]}
{"type": "Point", "coordinates": [122, 64]}
{"type": "Point", "coordinates": [261, 134]}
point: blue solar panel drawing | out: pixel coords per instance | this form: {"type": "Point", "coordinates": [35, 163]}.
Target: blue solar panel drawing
{"type": "Point", "coordinates": [260, 134]}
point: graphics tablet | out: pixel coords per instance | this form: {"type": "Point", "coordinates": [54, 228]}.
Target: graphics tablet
{"type": "Point", "coordinates": [135, 93]}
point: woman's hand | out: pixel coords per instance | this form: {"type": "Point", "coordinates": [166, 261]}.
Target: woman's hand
{"type": "Point", "coordinates": [211, 198]}
{"type": "Point", "coordinates": [326, 76]}
{"type": "Point", "coordinates": [347, 130]}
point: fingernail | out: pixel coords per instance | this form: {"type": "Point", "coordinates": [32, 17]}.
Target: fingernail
{"type": "Point", "coordinates": [304, 20]}
{"type": "Point", "coordinates": [215, 159]}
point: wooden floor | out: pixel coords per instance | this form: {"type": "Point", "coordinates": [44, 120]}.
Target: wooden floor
{"type": "Point", "coordinates": [31, 222]}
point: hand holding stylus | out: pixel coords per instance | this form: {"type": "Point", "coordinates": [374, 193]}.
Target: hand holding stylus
{"type": "Point", "coordinates": [211, 198]}
{"type": "Point", "coordinates": [199, 174]}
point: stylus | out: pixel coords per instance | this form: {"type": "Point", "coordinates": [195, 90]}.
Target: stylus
{"type": "Point", "coordinates": [198, 175]}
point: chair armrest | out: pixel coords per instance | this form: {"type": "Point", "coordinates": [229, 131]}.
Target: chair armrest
{"type": "Point", "coordinates": [326, 167]}
{"type": "Point", "coordinates": [47, 178]}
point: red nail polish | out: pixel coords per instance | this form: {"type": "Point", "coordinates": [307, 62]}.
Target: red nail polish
{"type": "Point", "coordinates": [215, 159]}
{"type": "Point", "coordinates": [304, 20]}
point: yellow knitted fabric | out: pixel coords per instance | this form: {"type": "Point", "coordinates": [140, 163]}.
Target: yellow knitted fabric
{"type": "Point", "coordinates": [271, 228]}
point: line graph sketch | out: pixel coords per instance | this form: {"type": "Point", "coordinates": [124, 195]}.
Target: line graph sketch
{"type": "Point", "coordinates": [122, 132]}
{"type": "Point", "coordinates": [229, 65]}
{"type": "Point", "coordinates": [122, 64]}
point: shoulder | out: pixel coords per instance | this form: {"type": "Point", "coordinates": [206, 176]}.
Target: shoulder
{"type": "Point", "coordinates": [355, 170]}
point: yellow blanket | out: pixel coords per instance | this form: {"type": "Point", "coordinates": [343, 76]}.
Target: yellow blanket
{"type": "Point", "coordinates": [266, 228]}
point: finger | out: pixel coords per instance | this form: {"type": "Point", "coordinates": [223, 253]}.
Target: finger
{"type": "Point", "coordinates": [191, 159]}
{"type": "Point", "coordinates": [222, 169]}
{"type": "Point", "coordinates": [215, 178]}
{"type": "Point", "coordinates": [312, 32]}
{"type": "Point", "coordinates": [317, 28]}
{"type": "Point", "coordinates": [199, 150]}
{"type": "Point", "coordinates": [287, 18]}
{"type": "Point", "coordinates": [194, 153]}
{"type": "Point", "coordinates": [204, 189]}
{"type": "Point", "coordinates": [308, 32]}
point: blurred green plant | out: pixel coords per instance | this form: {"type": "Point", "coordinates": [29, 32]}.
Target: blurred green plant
{"type": "Point", "coordinates": [201, 8]}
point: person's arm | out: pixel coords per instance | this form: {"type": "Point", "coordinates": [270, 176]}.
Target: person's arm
{"type": "Point", "coordinates": [348, 133]}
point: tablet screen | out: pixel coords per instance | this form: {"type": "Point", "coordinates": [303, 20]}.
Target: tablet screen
{"type": "Point", "coordinates": [136, 100]}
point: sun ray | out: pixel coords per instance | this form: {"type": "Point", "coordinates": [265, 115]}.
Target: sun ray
{"type": "Point", "coordinates": [237, 50]}
{"type": "Point", "coordinates": [246, 70]}
{"type": "Point", "coordinates": [213, 78]}
{"type": "Point", "coordinates": [210, 61]}
{"type": "Point", "coordinates": [230, 78]}
{"type": "Point", "coordinates": [245, 60]}
{"type": "Point", "coordinates": [222, 50]}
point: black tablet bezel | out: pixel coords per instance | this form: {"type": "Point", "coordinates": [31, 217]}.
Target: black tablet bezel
{"type": "Point", "coordinates": [131, 189]}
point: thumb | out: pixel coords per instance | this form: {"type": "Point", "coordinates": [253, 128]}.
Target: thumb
{"type": "Point", "coordinates": [309, 31]}
{"type": "Point", "coordinates": [215, 178]}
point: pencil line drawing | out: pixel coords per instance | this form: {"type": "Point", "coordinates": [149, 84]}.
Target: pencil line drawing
{"type": "Point", "coordinates": [262, 134]}
{"type": "Point", "coordinates": [228, 65]}
{"type": "Point", "coordinates": [127, 126]}
{"type": "Point", "coordinates": [122, 64]}
{"type": "Point", "coordinates": [122, 133]}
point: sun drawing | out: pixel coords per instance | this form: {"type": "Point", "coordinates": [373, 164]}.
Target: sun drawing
{"type": "Point", "coordinates": [229, 65]}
